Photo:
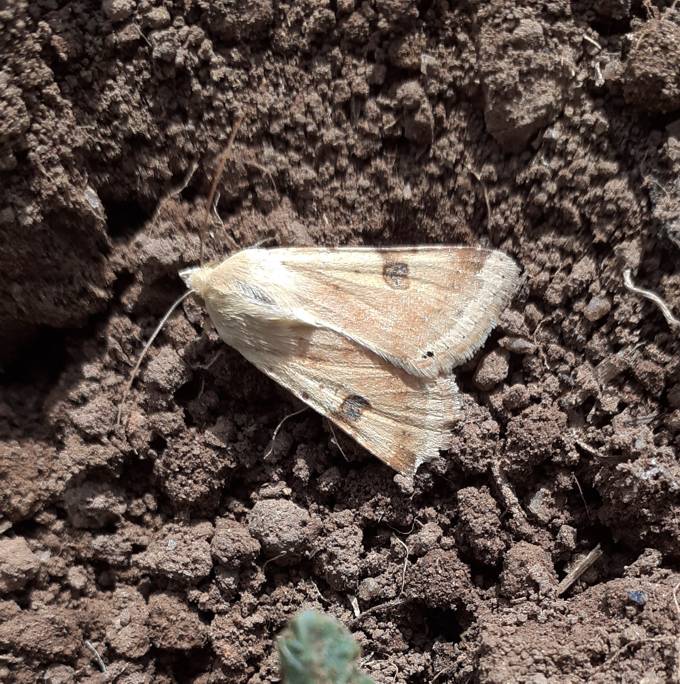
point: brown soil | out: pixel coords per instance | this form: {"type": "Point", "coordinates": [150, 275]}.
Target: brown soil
{"type": "Point", "coordinates": [174, 547]}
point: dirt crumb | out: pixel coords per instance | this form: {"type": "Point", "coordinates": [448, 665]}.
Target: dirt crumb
{"type": "Point", "coordinates": [597, 308]}
{"type": "Point", "coordinates": [59, 674]}
{"type": "Point", "coordinates": [339, 558]}
{"type": "Point", "coordinates": [650, 77]}
{"type": "Point", "coordinates": [232, 544]}
{"type": "Point", "coordinates": [179, 552]}
{"type": "Point", "coordinates": [639, 650]}
{"type": "Point", "coordinates": [118, 10]}
{"type": "Point", "coordinates": [235, 640]}
{"type": "Point", "coordinates": [527, 571]}
{"type": "Point", "coordinates": [641, 490]}
{"type": "Point", "coordinates": [471, 447]}
{"type": "Point", "coordinates": [93, 504]}
{"type": "Point", "coordinates": [128, 634]}
{"type": "Point", "coordinates": [523, 92]}
{"type": "Point", "coordinates": [425, 539]}
{"type": "Point", "coordinates": [28, 482]}
{"type": "Point", "coordinates": [492, 370]}
{"type": "Point", "coordinates": [18, 564]}
{"type": "Point", "coordinates": [479, 528]}
{"type": "Point", "coordinates": [534, 435]}
{"type": "Point", "coordinates": [172, 625]}
{"type": "Point", "coordinates": [192, 471]}
{"type": "Point", "coordinates": [441, 580]}
{"type": "Point", "coordinates": [283, 528]}
{"type": "Point", "coordinates": [50, 634]}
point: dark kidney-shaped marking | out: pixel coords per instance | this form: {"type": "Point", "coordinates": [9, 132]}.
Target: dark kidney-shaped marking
{"type": "Point", "coordinates": [353, 406]}
{"type": "Point", "coordinates": [395, 274]}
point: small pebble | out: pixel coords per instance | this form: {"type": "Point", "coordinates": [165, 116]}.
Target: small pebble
{"type": "Point", "coordinates": [597, 308]}
{"type": "Point", "coordinates": [77, 578]}
{"type": "Point", "coordinates": [492, 369]}
{"type": "Point", "coordinates": [369, 589]}
{"type": "Point", "coordinates": [157, 18]}
{"type": "Point", "coordinates": [639, 598]}
{"type": "Point", "coordinates": [118, 10]}
{"type": "Point", "coordinates": [517, 345]}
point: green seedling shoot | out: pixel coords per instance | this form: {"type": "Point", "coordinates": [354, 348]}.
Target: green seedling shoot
{"type": "Point", "coordinates": [317, 649]}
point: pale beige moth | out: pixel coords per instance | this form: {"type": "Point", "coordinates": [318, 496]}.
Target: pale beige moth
{"type": "Point", "coordinates": [366, 336]}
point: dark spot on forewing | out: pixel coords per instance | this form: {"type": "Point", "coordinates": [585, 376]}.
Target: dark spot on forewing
{"type": "Point", "coordinates": [254, 293]}
{"type": "Point", "coordinates": [353, 406]}
{"type": "Point", "coordinates": [395, 274]}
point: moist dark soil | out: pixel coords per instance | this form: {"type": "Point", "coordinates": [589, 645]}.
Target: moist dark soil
{"type": "Point", "coordinates": [177, 545]}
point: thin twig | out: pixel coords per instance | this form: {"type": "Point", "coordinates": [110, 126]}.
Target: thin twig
{"type": "Point", "coordinates": [354, 602]}
{"type": "Point", "coordinates": [403, 572]}
{"type": "Point", "coordinates": [141, 33]}
{"type": "Point", "coordinates": [278, 427]}
{"type": "Point", "coordinates": [366, 659]}
{"type": "Point", "coordinates": [275, 558]}
{"type": "Point", "coordinates": [173, 192]}
{"type": "Point", "coordinates": [580, 491]}
{"type": "Point", "coordinates": [221, 162]}
{"type": "Point", "coordinates": [599, 78]}
{"type": "Point", "coordinates": [592, 41]}
{"type": "Point", "coordinates": [406, 533]}
{"type": "Point", "coordinates": [200, 391]}
{"type": "Point", "coordinates": [672, 321]}
{"type": "Point", "coordinates": [263, 241]}
{"type": "Point", "coordinates": [321, 596]}
{"type": "Point", "coordinates": [587, 448]}
{"type": "Point", "coordinates": [581, 567]}
{"type": "Point", "coordinates": [541, 351]}
{"type": "Point", "coordinates": [649, 179]}
{"type": "Point", "coordinates": [522, 525]}
{"type": "Point", "coordinates": [638, 642]}
{"type": "Point", "coordinates": [263, 169]}
{"type": "Point", "coordinates": [640, 420]}
{"type": "Point", "coordinates": [98, 658]}
{"type": "Point", "coordinates": [147, 346]}
{"type": "Point", "coordinates": [441, 673]}
{"type": "Point", "coordinates": [381, 606]}
{"type": "Point", "coordinates": [486, 196]}
{"type": "Point", "coordinates": [206, 366]}
{"type": "Point", "coordinates": [216, 202]}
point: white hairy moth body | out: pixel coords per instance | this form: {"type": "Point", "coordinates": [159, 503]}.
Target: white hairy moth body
{"type": "Point", "coordinates": [365, 336]}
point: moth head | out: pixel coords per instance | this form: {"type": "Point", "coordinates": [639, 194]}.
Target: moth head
{"type": "Point", "coordinates": [196, 278]}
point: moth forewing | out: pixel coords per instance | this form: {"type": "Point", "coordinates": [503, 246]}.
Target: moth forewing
{"type": "Point", "coordinates": [425, 309]}
{"type": "Point", "coordinates": [402, 419]}
{"type": "Point", "coordinates": [365, 336]}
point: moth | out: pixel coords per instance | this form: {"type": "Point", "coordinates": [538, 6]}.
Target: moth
{"type": "Point", "coordinates": [366, 336]}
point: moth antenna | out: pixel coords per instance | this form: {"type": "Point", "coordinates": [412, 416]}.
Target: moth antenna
{"type": "Point", "coordinates": [216, 179]}
{"type": "Point", "coordinates": [144, 352]}
{"type": "Point", "coordinates": [263, 241]}
{"type": "Point", "coordinates": [336, 442]}
{"type": "Point", "coordinates": [233, 245]}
